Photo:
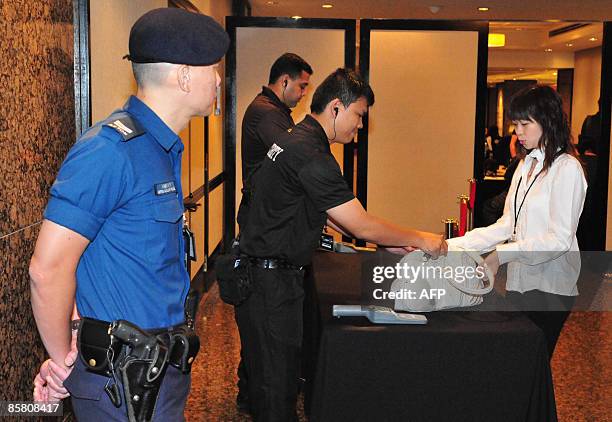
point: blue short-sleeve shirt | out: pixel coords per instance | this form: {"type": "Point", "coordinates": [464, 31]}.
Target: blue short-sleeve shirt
{"type": "Point", "coordinates": [120, 187]}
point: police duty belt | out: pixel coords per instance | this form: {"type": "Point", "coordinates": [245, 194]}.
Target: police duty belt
{"type": "Point", "coordinates": [122, 350]}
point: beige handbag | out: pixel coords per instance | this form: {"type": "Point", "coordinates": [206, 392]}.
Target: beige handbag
{"type": "Point", "coordinates": [452, 281]}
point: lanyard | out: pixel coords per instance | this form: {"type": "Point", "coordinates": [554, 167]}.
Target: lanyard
{"type": "Point", "coordinates": [517, 213]}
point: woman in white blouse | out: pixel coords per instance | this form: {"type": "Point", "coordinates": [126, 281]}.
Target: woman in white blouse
{"type": "Point", "coordinates": [536, 235]}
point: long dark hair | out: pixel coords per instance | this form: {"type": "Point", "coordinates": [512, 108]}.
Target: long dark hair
{"type": "Point", "coordinates": [543, 105]}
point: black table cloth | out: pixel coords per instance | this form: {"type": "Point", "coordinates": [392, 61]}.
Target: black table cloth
{"type": "Point", "coordinates": [461, 366]}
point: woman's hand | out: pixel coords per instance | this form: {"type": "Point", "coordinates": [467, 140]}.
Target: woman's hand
{"type": "Point", "coordinates": [492, 262]}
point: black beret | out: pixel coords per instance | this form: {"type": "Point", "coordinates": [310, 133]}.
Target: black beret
{"type": "Point", "coordinates": [172, 35]}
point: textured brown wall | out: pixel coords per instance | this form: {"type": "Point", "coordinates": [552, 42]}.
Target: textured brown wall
{"type": "Point", "coordinates": [36, 130]}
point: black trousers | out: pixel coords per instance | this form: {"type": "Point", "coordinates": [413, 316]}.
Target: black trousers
{"type": "Point", "coordinates": [243, 377]}
{"type": "Point", "coordinates": [271, 334]}
{"type": "Point", "coordinates": [546, 310]}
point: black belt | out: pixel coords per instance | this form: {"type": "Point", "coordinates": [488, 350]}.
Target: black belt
{"type": "Point", "coordinates": [272, 264]}
{"type": "Point", "coordinates": [75, 324]}
{"type": "Point", "coordinates": [172, 337]}
{"type": "Point", "coordinates": [169, 330]}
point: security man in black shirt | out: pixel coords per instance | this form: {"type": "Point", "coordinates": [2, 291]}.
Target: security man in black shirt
{"type": "Point", "coordinates": [270, 114]}
{"type": "Point", "coordinates": [265, 118]}
{"type": "Point", "coordinates": [298, 189]}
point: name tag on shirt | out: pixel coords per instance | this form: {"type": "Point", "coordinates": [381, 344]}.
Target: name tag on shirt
{"type": "Point", "coordinates": [326, 242]}
{"type": "Point", "coordinates": [165, 188]}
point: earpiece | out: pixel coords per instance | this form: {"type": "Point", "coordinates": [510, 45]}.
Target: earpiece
{"type": "Point", "coordinates": [284, 88]}
{"type": "Point", "coordinates": [335, 116]}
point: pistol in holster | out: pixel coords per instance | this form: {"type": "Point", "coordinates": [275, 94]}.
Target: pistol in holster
{"type": "Point", "coordinates": [142, 369]}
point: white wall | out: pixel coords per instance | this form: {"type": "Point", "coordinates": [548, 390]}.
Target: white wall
{"type": "Point", "coordinates": [111, 76]}
{"type": "Point", "coordinates": [217, 9]}
{"type": "Point", "coordinates": [421, 140]}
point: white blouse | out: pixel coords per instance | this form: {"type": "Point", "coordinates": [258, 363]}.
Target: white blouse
{"type": "Point", "coordinates": [545, 254]}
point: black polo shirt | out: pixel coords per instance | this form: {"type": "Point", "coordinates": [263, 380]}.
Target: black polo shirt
{"type": "Point", "coordinates": [265, 118]}
{"type": "Point", "coordinates": [297, 183]}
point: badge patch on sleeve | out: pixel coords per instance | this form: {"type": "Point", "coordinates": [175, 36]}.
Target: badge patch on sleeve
{"type": "Point", "coordinates": [121, 128]}
{"type": "Point", "coordinates": [274, 151]}
{"type": "Point", "coordinates": [165, 188]}
{"type": "Point", "coordinates": [127, 127]}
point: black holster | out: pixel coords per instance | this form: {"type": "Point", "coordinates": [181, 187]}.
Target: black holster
{"type": "Point", "coordinates": [234, 278]}
{"type": "Point", "coordinates": [140, 392]}
{"type": "Point", "coordinates": [192, 301]}
{"type": "Point", "coordinates": [142, 370]}
{"type": "Point", "coordinates": [185, 347]}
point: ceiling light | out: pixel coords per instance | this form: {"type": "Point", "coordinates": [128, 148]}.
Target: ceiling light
{"type": "Point", "coordinates": [327, 6]}
{"type": "Point", "coordinates": [296, 17]}
{"type": "Point", "coordinates": [521, 69]}
{"type": "Point", "coordinates": [483, 9]}
{"type": "Point", "coordinates": [548, 50]}
{"type": "Point", "coordinates": [514, 79]}
{"type": "Point", "coordinates": [271, 3]}
{"type": "Point", "coordinates": [592, 39]}
{"type": "Point", "coordinates": [497, 40]}
{"type": "Point", "coordinates": [554, 73]}
{"type": "Point", "coordinates": [569, 44]}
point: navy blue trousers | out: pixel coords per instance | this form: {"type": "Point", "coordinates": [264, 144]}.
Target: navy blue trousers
{"type": "Point", "coordinates": [91, 403]}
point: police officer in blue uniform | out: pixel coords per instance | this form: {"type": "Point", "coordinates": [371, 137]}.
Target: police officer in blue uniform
{"type": "Point", "coordinates": [112, 235]}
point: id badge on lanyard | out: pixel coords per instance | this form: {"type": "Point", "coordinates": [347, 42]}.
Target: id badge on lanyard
{"type": "Point", "coordinates": [189, 242]}
{"type": "Point", "coordinates": [514, 236]}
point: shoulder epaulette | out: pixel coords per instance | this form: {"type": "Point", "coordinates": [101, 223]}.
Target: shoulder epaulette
{"type": "Point", "coordinates": [127, 126]}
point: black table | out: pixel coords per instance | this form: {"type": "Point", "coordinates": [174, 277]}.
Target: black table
{"type": "Point", "coordinates": [461, 366]}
